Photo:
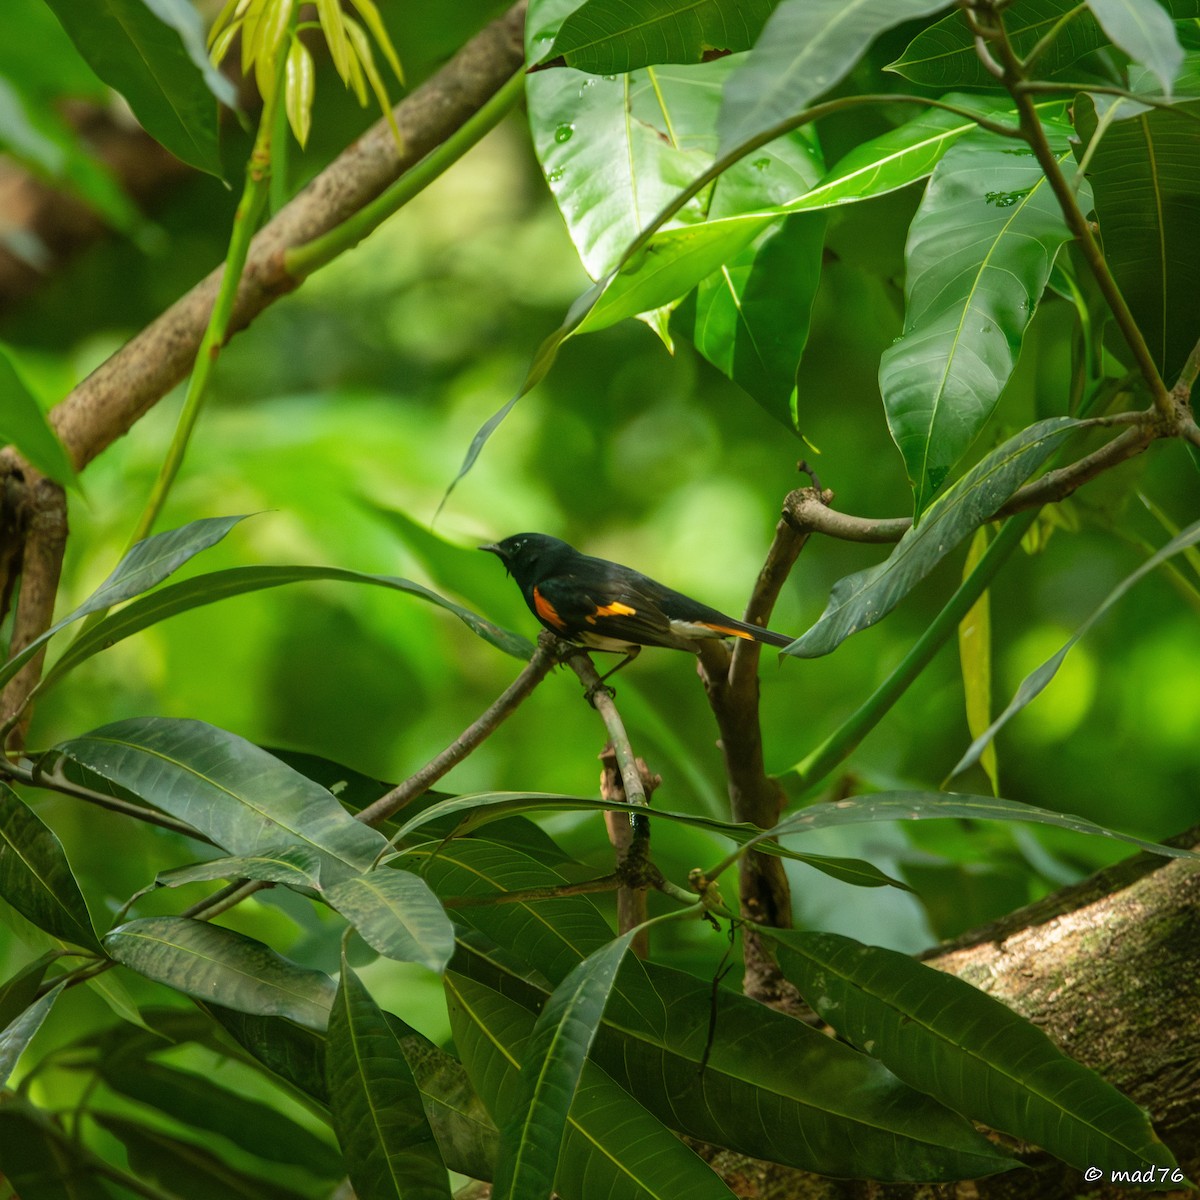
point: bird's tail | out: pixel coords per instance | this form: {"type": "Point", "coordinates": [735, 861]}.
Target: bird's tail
{"type": "Point", "coordinates": [755, 633]}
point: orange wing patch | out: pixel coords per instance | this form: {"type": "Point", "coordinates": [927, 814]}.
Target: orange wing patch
{"type": "Point", "coordinates": [547, 611]}
{"type": "Point", "coordinates": [615, 609]}
{"type": "Point", "coordinates": [724, 629]}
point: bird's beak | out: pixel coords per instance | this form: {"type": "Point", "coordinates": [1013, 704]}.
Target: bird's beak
{"type": "Point", "coordinates": [494, 548]}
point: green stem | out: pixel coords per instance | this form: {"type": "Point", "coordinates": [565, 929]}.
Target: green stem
{"type": "Point", "coordinates": [842, 742]}
{"type": "Point", "coordinates": [1077, 223]}
{"type": "Point", "coordinates": [302, 261]}
{"type": "Point", "coordinates": [245, 221]}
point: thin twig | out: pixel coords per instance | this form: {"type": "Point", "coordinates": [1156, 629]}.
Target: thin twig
{"type": "Point", "coordinates": [544, 657]}
{"type": "Point", "coordinates": [605, 883]}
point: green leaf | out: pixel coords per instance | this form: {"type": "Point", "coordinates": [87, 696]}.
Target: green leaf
{"type": "Point", "coordinates": [293, 1052]}
{"type": "Point", "coordinates": [975, 658]}
{"type": "Point", "coordinates": [40, 1161]}
{"type": "Point", "coordinates": [1036, 681]}
{"type": "Point", "coordinates": [552, 1064]}
{"type": "Point", "coordinates": [35, 877]}
{"type": "Point", "coordinates": [806, 48]}
{"type": "Point", "coordinates": [292, 865]}
{"type": "Point", "coordinates": [902, 155]}
{"type": "Point", "coordinates": [201, 1104]}
{"type": "Point", "coordinates": [1143, 29]}
{"type": "Point", "coordinates": [221, 966]}
{"type": "Point", "coordinates": [19, 991]}
{"type": "Point", "coordinates": [750, 319]}
{"type": "Point", "coordinates": [979, 253]}
{"type": "Point", "coordinates": [237, 581]}
{"type": "Point", "coordinates": [610, 37]}
{"type": "Point", "coordinates": [396, 913]}
{"type": "Point", "coordinates": [944, 55]}
{"type": "Point", "coordinates": [917, 805]}
{"type": "Point", "coordinates": [853, 871]}
{"type": "Point", "coordinates": [152, 64]}
{"type": "Point", "coordinates": [241, 797]}
{"type": "Point", "coordinates": [377, 1113]}
{"type": "Point", "coordinates": [946, 1038]}
{"type": "Point", "coordinates": [148, 563]}
{"type": "Point", "coordinates": [22, 421]}
{"type": "Point", "coordinates": [860, 600]}
{"type": "Point", "coordinates": [613, 1147]}
{"type": "Point", "coordinates": [1145, 174]}
{"type": "Point", "coordinates": [191, 1172]}
{"type": "Point", "coordinates": [18, 1033]}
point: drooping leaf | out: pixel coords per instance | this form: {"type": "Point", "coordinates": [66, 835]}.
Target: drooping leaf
{"type": "Point", "coordinates": [20, 990]}
{"type": "Point", "coordinates": [860, 600]}
{"type": "Point", "coordinates": [219, 965]}
{"type": "Point", "coordinates": [613, 1147]}
{"type": "Point", "coordinates": [147, 564]}
{"type": "Point", "coordinates": [376, 1104]}
{"type": "Point", "coordinates": [979, 253]}
{"type": "Point", "coordinates": [1143, 29]}
{"type": "Point", "coordinates": [396, 913]}
{"type": "Point", "coordinates": [202, 1104]}
{"type": "Point", "coordinates": [953, 1041]}
{"type": "Point", "coordinates": [610, 37]}
{"type": "Point", "coordinates": [237, 581]}
{"type": "Point", "coordinates": [1037, 680]}
{"type": "Point", "coordinates": [1145, 175]}
{"type": "Point", "coordinates": [35, 877]}
{"type": "Point", "coordinates": [975, 659]}
{"type": "Point", "coordinates": [18, 1033]}
{"type": "Point", "coordinates": [293, 1052]}
{"type": "Point", "coordinates": [552, 1065]}
{"type": "Point", "coordinates": [22, 421]}
{"type": "Point", "coordinates": [153, 64]}
{"type": "Point", "coordinates": [750, 319]}
{"type": "Point", "coordinates": [190, 1171]}
{"type": "Point", "coordinates": [806, 48]}
{"type": "Point", "coordinates": [243, 798]}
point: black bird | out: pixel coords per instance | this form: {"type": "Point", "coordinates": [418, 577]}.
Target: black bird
{"type": "Point", "coordinates": [606, 606]}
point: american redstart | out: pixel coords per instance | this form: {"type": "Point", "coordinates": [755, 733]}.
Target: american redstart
{"type": "Point", "coordinates": [606, 606]}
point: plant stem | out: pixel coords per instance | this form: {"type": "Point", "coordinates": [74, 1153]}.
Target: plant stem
{"type": "Point", "coordinates": [841, 743]}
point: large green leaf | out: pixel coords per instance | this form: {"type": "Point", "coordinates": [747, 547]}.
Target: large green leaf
{"type": "Point", "coordinates": [201, 1104]}
{"type": "Point", "coordinates": [612, 1146]}
{"type": "Point", "coordinates": [293, 865]}
{"type": "Point", "coordinates": [1143, 29]}
{"type": "Point", "coordinates": [750, 318]}
{"type": "Point", "coordinates": [148, 563]}
{"type": "Point", "coordinates": [218, 965]}
{"type": "Point", "coordinates": [35, 877]}
{"type": "Point", "coordinates": [22, 421]}
{"type": "Point", "coordinates": [396, 913]}
{"type": "Point", "coordinates": [1037, 680]}
{"type": "Point", "coordinates": [1145, 175]}
{"type": "Point", "coordinates": [948, 1039]}
{"type": "Point", "coordinates": [609, 37]}
{"type": "Point", "coordinates": [552, 1064]}
{"type": "Point", "coordinates": [152, 63]}
{"type": "Point", "coordinates": [944, 55]}
{"type": "Point", "coordinates": [860, 600]}
{"type": "Point", "coordinates": [243, 798]}
{"type": "Point", "coordinates": [188, 1170]}
{"type": "Point", "coordinates": [40, 1161]}
{"type": "Point", "coordinates": [18, 1033]}
{"type": "Point", "coordinates": [377, 1114]}
{"type": "Point", "coordinates": [237, 581]}
{"type": "Point", "coordinates": [806, 48]}
{"type": "Point", "coordinates": [979, 253]}
{"type": "Point", "coordinates": [902, 155]}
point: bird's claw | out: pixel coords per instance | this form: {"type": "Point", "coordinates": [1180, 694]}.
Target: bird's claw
{"type": "Point", "coordinates": [599, 686]}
